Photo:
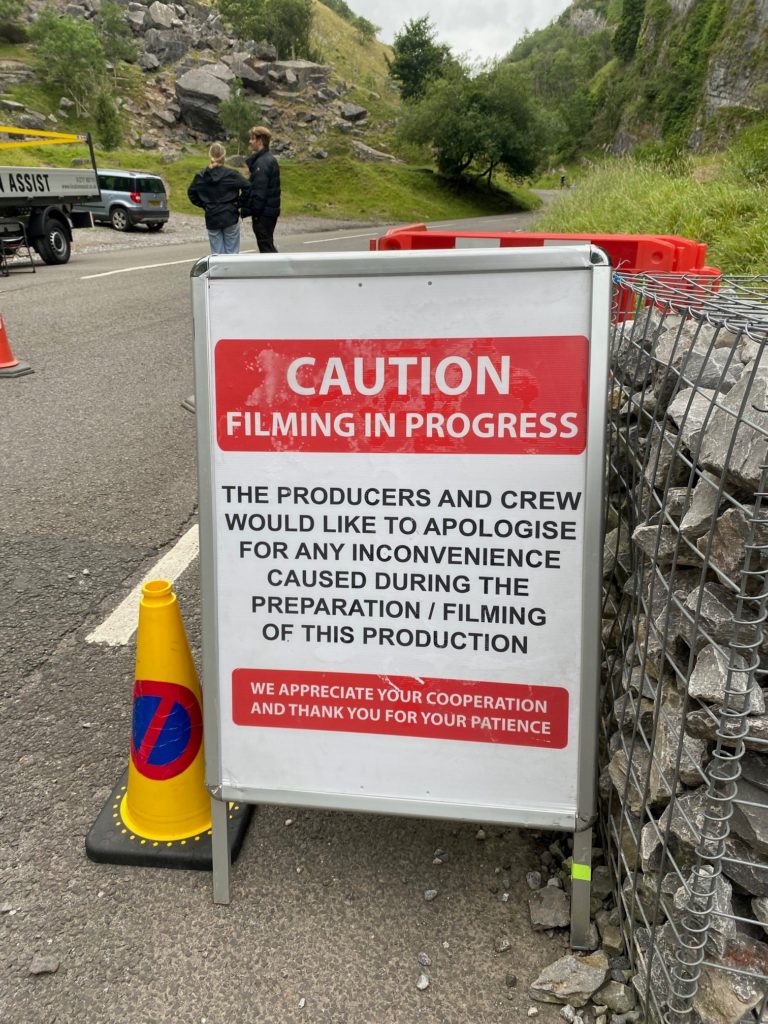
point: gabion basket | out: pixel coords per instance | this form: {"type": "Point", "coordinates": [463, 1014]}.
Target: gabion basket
{"type": "Point", "coordinates": [684, 737]}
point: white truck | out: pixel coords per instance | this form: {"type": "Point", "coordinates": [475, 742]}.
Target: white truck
{"type": "Point", "coordinates": [40, 199]}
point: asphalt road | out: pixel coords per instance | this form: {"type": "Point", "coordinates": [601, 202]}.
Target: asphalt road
{"type": "Point", "coordinates": [328, 915]}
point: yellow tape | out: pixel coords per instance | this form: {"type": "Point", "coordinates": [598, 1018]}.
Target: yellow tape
{"type": "Point", "coordinates": [61, 136]}
{"type": "Point", "coordinates": [581, 872]}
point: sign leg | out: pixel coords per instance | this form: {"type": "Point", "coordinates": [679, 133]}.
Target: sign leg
{"type": "Point", "coordinates": [220, 851]}
{"type": "Point", "coordinates": [581, 888]}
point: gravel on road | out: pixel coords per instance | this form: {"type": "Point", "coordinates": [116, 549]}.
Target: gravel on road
{"type": "Point", "coordinates": [184, 227]}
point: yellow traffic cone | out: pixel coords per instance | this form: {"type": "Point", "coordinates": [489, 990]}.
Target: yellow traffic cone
{"type": "Point", "coordinates": [166, 797]}
{"type": "Point", "coordinates": [161, 813]}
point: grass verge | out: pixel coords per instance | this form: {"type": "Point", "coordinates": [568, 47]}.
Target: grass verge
{"type": "Point", "coordinates": [339, 187]}
{"type": "Point", "coordinates": [728, 211]}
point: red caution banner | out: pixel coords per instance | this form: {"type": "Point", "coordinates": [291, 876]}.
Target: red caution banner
{"type": "Point", "coordinates": [446, 709]}
{"type": "Point", "coordinates": [484, 396]}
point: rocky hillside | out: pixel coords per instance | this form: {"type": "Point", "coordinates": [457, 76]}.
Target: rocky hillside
{"type": "Point", "coordinates": [677, 72]}
{"type": "Point", "coordinates": [188, 60]}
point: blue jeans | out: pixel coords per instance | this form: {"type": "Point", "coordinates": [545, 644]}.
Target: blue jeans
{"type": "Point", "coordinates": [225, 240]}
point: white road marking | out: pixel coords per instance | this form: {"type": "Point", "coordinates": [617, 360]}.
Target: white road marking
{"type": "Point", "coordinates": [150, 266]}
{"type": "Point", "coordinates": [118, 629]}
{"type": "Point", "coordinates": [146, 266]}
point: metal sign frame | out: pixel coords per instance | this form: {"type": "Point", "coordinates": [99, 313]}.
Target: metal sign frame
{"type": "Point", "coordinates": [262, 275]}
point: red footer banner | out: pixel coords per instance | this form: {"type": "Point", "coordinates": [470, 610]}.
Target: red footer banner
{"type": "Point", "coordinates": [445, 709]}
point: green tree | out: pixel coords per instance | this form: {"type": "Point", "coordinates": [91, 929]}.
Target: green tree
{"type": "Point", "coordinates": [287, 24]}
{"type": "Point", "coordinates": [69, 55]}
{"type": "Point", "coordinates": [366, 29]}
{"type": "Point", "coordinates": [107, 120]}
{"type": "Point", "coordinates": [9, 14]}
{"type": "Point", "coordinates": [341, 8]}
{"type": "Point", "coordinates": [511, 130]}
{"type": "Point", "coordinates": [475, 124]}
{"type": "Point", "coordinates": [114, 33]}
{"type": "Point", "coordinates": [443, 121]}
{"type": "Point", "coordinates": [10, 10]}
{"type": "Point", "coordinates": [238, 114]}
{"type": "Point", "coordinates": [418, 59]}
{"type": "Point", "coordinates": [247, 17]}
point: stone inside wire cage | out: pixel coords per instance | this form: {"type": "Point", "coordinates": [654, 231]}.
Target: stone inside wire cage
{"type": "Point", "coordinates": [684, 738]}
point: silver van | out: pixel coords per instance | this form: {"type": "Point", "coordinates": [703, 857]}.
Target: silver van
{"type": "Point", "coordinates": [129, 198]}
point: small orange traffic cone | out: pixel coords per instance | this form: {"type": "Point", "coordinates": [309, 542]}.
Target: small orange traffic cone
{"type": "Point", "coordinates": [10, 366]}
{"type": "Point", "coordinates": [161, 812]}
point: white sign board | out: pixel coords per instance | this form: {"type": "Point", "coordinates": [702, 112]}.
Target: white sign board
{"type": "Point", "coordinates": [394, 504]}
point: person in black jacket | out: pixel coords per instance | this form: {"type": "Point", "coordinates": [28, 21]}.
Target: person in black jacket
{"type": "Point", "coordinates": [264, 205]}
{"type": "Point", "coordinates": [222, 193]}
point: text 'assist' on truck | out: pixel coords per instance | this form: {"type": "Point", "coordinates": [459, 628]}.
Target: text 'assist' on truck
{"type": "Point", "coordinates": [41, 199]}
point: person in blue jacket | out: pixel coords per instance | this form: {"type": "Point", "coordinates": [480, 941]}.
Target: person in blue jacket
{"type": "Point", "coordinates": [264, 202]}
{"type": "Point", "coordinates": [222, 193]}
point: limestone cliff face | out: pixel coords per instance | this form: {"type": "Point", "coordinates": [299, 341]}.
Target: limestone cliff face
{"type": "Point", "coordinates": [739, 75]}
{"type": "Point", "coordinates": [673, 72]}
{"type": "Point", "coordinates": [702, 68]}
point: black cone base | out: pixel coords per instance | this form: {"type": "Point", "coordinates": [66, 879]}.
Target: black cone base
{"type": "Point", "coordinates": [110, 841]}
{"type": "Point", "coordinates": [18, 370]}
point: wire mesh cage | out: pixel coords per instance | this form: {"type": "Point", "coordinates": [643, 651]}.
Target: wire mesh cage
{"type": "Point", "coordinates": [684, 740]}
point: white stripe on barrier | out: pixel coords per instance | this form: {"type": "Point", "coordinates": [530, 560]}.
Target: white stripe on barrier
{"type": "Point", "coordinates": [477, 243]}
